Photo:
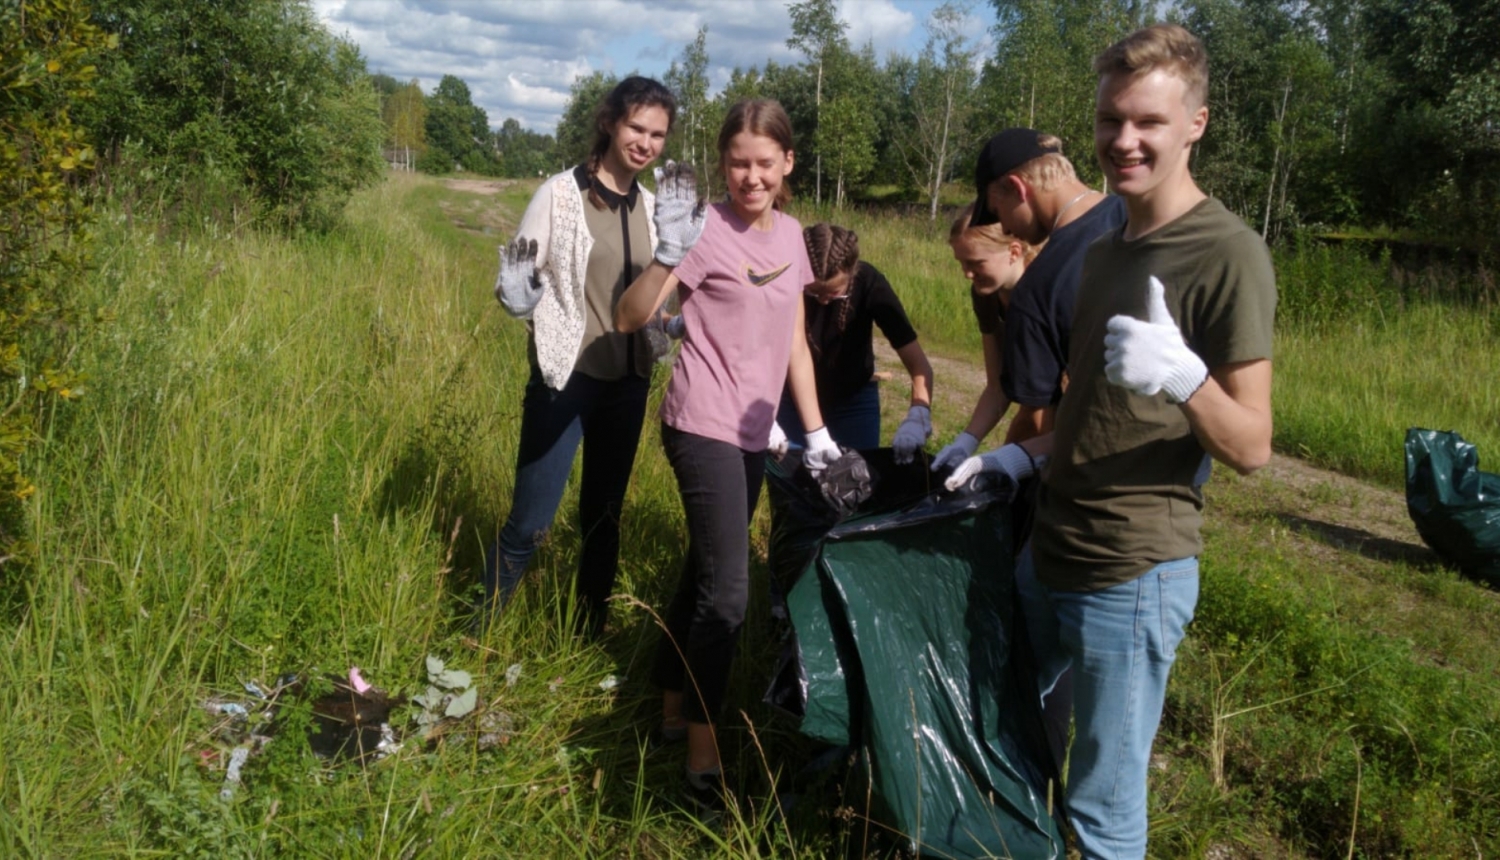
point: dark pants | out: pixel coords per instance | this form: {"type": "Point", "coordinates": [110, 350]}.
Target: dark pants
{"type": "Point", "coordinates": [853, 422]}
{"type": "Point", "coordinates": [606, 416]}
{"type": "Point", "coordinates": [719, 484]}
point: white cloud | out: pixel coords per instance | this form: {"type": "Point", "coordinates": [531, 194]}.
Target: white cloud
{"type": "Point", "coordinates": [520, 58]}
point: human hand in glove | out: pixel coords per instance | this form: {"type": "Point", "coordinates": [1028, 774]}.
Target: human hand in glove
{"type": "Point", "coordinates": [956, 452]}
{"type": "Point", "coordinates": [777, 446]}
{"type": "Point", "coordinates": [912, 434]}
{"type": "Point", "coordinates": [676, 327]}
{"type": "Point", "coordinates": [679, 213]}
{"type": "Point", "coordinates": [1151, 356]}
{"type": "Point", "coordinates": [517, 288]}
{"type": "Point", "coordinates": [1009, 460]}
{"type": "Point", "coordinates": [821, 451]}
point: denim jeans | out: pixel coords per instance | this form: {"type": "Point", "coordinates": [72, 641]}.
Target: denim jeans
{"type": "Point", "coordinates": [1116, 646]}
{"type": "Point", "coordinates": [606, 417]}
{"type": "Point", "coordinates": [720, 485]}
{"type": "Point", "coordinates": [853, 423]}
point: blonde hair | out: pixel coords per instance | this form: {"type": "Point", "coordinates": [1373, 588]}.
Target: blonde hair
{"type": "Point", "coordinates": [1046, 172]}
{"type": "Point", "coordinates": [990, 235]}
{"type": "Point", "coordinates": [1160, 46]}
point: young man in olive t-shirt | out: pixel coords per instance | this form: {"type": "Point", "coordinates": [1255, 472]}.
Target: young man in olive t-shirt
{"type": "Point", "coordinates": [1169, 366]}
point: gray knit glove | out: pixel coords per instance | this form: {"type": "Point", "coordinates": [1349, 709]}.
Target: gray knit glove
{"type": "Point", "coordinates": [1010, 460]}
{"type": "Point", "coordinates": [517, 287]}
{"type": "Point", "coordinates": [680, 215]}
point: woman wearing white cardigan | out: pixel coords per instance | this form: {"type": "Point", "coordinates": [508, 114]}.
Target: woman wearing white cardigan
{"type": "Point", "coordinates": [585, 236]}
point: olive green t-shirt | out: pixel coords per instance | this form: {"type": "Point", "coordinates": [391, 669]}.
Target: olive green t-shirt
{"type": "Point", "coordinates": [1123, 491]}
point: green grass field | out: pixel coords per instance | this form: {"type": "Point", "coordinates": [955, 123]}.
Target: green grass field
{"type": "Point", "coordinates": [291, 453]}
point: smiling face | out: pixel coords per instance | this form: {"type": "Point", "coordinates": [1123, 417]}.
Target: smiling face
{"type": "Point", "coordinates": [988, 268]}
{"type": "Point", "coordinates": [637, 140]}
{"type": "Point", "coordinates": [754, 168]}
{"type": "Point", "coordinates": [1144, 131]}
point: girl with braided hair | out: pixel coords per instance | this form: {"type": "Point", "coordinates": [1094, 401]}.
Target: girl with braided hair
{"type": "Point", "coordinates": [847, 299]}
{"type": "Point", "coordinates": [586, 235]}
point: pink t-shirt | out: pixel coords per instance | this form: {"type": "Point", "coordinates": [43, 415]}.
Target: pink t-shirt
{"type": "Point", "coordinates": [739, 293]}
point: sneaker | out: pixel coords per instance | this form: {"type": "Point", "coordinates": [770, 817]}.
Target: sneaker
{"type": "Point", "coordinates": [706, 795]}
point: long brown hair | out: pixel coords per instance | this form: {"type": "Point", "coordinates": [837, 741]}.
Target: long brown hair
{"type": "Point", "coordinates": [626, 98]}
{"type": "Point", "coordinates": [762, 118]}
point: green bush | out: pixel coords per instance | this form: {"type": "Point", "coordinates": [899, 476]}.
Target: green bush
{"type": "Point", "coordinates": [255, 92]}
{"type": "Point", "coordinates": [44, 69]}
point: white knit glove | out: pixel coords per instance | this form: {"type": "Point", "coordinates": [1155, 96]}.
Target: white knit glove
{"type": "Point", "coordinates": [912, 434]}
{"type": "Point", "coordinates": [517, 287]}
{"type": "Point", "coordinates": [1151, 356]}
{"type": "Point", "coordinates": [680, 215]}
{"type": "Point", "coordinates": [956, 452]}
{"type": "Point", "coordinates": [1009, 460]}
{"type": "Point", "coordinates": [821, 451]}
{"type": "Point", "coordinates": [778, 444]}
{"type": "Point", "coordinates": [675, 327]}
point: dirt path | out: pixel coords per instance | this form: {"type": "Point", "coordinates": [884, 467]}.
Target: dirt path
{"type": "Point", "coordinates": [1332, 511]}
{"type": "Point", "coordinates": [479, 186]}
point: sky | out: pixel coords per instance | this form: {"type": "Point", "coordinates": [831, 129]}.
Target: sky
{"type": "Point", "coordinates": [519, 57]}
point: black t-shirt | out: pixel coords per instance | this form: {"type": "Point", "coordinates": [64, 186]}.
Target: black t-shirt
{"type": "Point", "coordinates": [1040, 319]}
{"type": "Point", "coordinates": [844, 361]}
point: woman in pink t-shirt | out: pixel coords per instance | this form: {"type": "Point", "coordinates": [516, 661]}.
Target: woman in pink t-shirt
{"type": "Point", "coordinates": [739, 269]}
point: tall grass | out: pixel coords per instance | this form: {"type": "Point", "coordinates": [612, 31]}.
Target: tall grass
{"type": "Point", "coordinates": [292, 454]}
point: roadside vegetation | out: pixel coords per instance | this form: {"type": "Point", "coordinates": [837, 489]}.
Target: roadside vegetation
{"type": "Point", "coordinates": [294, 448]}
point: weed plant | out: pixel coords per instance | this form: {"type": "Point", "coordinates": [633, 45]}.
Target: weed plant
{"type": "Point", "coordinates": [293, 452]}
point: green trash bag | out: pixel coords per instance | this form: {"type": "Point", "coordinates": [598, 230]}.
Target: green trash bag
{"type": "Point", "coordinates": [1456, 507]}
{"type": "Point", "coordinates": [908, 645]}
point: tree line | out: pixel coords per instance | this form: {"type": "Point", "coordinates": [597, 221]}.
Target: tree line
{"type": "Point", "coordinates": [1375, 114]}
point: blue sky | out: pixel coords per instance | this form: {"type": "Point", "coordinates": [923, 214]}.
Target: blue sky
{"type": "Point", "coordinates": [520, 56]}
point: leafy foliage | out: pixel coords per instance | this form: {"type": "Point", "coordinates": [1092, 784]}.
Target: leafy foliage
{"type": "Point", "coordinates": [254, 99]}
{"type": "Point", "coordinates": [46, 69]}
{"type": "Point", "coordinates": [459, 128]}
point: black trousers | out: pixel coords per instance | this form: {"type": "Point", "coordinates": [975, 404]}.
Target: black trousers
{"type": "Point", "coordinates": [720, 484]}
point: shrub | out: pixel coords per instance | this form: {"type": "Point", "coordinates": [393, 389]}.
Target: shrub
{"type": "Point", "coordinates": [45, 52]}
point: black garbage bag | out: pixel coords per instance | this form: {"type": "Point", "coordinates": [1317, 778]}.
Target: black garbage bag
{"type": "Point", "coordinates": [908, 645]}
{"type": "Point", "coordinates": [1455, 507]}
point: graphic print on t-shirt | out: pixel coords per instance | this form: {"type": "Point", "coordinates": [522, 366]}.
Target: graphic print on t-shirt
{"type": "Point", "coordinates": [761, 280]}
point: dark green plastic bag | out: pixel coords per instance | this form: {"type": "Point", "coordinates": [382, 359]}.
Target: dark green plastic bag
{"type": "Point", "coordinates": [909, 647]}
{"type": "Point", "coordinates": [1455, 507]}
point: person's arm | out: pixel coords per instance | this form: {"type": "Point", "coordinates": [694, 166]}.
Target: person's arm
{"type": "Point", "coordinates": [920, 370]}
{"type": "Point", "coordinates": [1228, 407]}
{"type": "Point", "coordinates": [801, 378]}
{"type": "Point", "coordinates": [1030, 421]}
{"type": "Point", "coordinates": [1231, 414]}
{"type": "Point", "coordinates": [640, 301]}
{"type": "Point", "coordinates": [992, 402]}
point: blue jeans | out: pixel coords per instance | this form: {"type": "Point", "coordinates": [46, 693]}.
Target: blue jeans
{"type": "Point", "coordinates": [1117, 645]}
{"type": "Point", "coordinates": [605, 416]}
{"type": "Point", "coordinates": [853, 422]}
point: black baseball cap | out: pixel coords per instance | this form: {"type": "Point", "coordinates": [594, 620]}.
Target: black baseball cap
{"type": "Point", "coordinates": [1003, 153]}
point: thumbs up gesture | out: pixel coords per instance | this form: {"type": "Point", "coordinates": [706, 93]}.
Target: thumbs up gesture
{"type": "Point", "coordinates": [1150, 356]}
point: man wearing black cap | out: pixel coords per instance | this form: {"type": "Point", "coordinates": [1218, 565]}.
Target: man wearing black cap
{"type": "Point", "coordinates": [1024, 182]}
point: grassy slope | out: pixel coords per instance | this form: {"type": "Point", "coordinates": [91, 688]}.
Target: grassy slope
{"type": "Point", "coordinates": [292, 453]}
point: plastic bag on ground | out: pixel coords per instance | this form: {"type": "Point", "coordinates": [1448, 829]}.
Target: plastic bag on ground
{"type": "Point", "coordinates": [1455, 507]}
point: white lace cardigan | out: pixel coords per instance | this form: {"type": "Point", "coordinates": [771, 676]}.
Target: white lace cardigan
{"type": "Point", "coordinates": [554, 218]}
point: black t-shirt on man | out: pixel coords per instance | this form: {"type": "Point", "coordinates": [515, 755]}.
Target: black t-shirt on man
{"type": "Point", "coordinates": [1039, 322]}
